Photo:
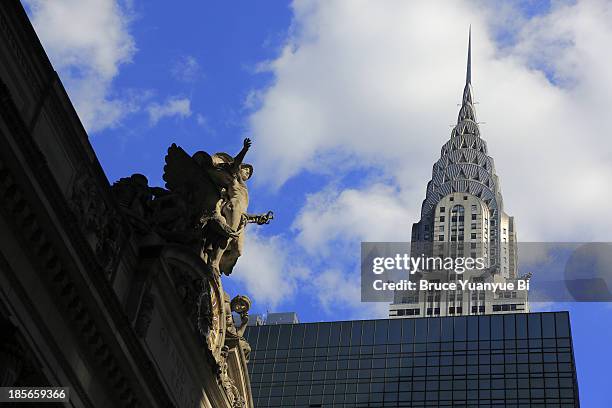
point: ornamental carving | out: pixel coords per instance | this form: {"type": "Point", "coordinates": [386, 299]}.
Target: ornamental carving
{"type": "Point", "coordinates": [202, 209]}
{"type": "Point", "coordinates": [210, 318]}
{"type": "Point", "coordinates": [229, 385]}
{"type": "Point", "coordinates": [144, 315]}
{"type": "Point", "coordinates": [99, 222]}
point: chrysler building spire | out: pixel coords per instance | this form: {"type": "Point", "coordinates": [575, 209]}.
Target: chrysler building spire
{"type": "Point", "coordinates": [463, 214]}
{"type": "Point", "coordinates": [468, 74]}
{"type": "Point", "coordinates": [466, 120]}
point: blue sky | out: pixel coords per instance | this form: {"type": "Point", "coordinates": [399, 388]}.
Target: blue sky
{"type": "Point", "coordinates": [347, 106]}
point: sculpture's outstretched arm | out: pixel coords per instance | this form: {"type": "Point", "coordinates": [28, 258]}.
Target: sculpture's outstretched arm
{"type": "Point", "coordinates": [240, 156]}
{"type": "Point", "coordinates": [260, 219]}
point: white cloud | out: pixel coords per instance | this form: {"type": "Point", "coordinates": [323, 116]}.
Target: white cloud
{"type": "Point", "coordinates": [336, 290]}
{"type": "Point", "coordinates": [186, 69]}
{"type": "Point", "coordinates": [87, 41]}
{"type": "Point", "coordinates": [330, 227]}
{"type": "Point", "coordinates": [267, 271]}
{"type": "Point", "coordinates": [272, 274]}
{"type": "Point", "coordinates": [180, 107]}
{"type": "Point", "coordinates": [376, 213]}
{"type": "Point", "coordinates": [365, 84]}
{"type": "Point", "coordinates": [201, 120]}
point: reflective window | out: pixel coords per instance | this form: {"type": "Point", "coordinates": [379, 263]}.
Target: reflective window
{"type": "Point", "coordinates": [334, 334]}
{"type": "Point", "coordinates": [498, 360]}
{"type": "Point", "coordinates": [284, 336]}
{"type": "Point", "coordinates": [562, 324]}
{"type": "Point", "coordinates": [472, 332]}
{"type": "Point", "coordinates": [433, 330]}
{"type": "Point", "coordinates": [535, 325]}
{"type": "Point", "coordinates": [263, 337]}
{"type": "Point", "coordinates": [521, 326]}
{"type": "Point", "coordinates": [395, 331]}
{"type": "Point", "coordinates": [497, 327]}
{"type": "Point", "coordinates": [460, 328]}
{"type": "Point", "coordinates": [323, 337]}
{"type": "Point", "coordinates": [382, 328]}
{"type": "Point", "coordinates": [484, 328]}
{"type": "Point", "coordinates": [345, 336]}
{"type": "Point", "coordinates": [362, 333]}
{"type": "Point", "coordinates": [407, 330]}
{"type": "Point", "coordinates": [548, 325]}
{"type": "Point", "coordinates": [356, 333]}
{"type": "Point", "coordinates": [509, 326]}
{"type": "Point", "coordinates": [297, 336]}
{"type": "Point", "coordinates": [447, 328]}
{"type": "Point", "coordinates": [420, 331]}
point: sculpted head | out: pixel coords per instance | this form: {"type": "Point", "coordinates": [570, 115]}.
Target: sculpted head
{"type": "Point", "coordinates": [246, 171]}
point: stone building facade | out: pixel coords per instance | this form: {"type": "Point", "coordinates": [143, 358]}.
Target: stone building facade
{"type": "Point", "coordinates": [99, 292]}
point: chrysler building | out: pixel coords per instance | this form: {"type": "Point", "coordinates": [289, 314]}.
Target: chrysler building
{"type": "Point", "coordinates": [463, 216]}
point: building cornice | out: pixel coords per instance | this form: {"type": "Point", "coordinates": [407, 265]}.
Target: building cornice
{"type": "Point", "coordinates": [99, 323]}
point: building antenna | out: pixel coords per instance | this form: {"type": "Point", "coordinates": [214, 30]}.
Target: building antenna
{"type": "Point", "coordinates": [468, 73]}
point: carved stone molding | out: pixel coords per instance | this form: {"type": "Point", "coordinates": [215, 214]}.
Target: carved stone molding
{"type": "Point", "coordinates": [233, 393]}
{"type": "Point", "coordinates": [16, 48]}
{"type": "Point", "coordinates": [56, 270]}
{"type": "Point", "coordinates": [205, 303]}
{"type": "Point", "coordinates": [100, 223]}
{"type": "Point", "coordinates": [143, 321]}
{"type": "Point", "coordinates": [11, 355]}
{"type": "Point", "coordinates": [35, 207]}
{"type": "Point", "coordinates": [200, 295]}
{"type": "Point", "coordinates": [188, 289]}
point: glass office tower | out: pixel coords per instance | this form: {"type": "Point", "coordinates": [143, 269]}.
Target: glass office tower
{"type": "Point", "coordinates": [513, 360]}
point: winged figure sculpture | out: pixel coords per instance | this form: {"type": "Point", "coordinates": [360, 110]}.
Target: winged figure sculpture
{"type": "Point", "coordinates": [214, 198]}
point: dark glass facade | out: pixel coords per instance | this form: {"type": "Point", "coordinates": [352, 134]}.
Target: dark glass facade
{"type": "Point", "coordinates": [512, 360]}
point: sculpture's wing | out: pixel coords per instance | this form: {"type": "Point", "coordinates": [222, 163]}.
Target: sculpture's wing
{"type": "Point", "coordinates": [190, 179]}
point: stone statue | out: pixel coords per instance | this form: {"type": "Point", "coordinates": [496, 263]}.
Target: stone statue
{"type": "Point", "coordinates": [230, 175]}
{"type": "Point", "coordinates": [202, 210]}
{"type": "Point", "coordinates": [240, 304]}
{"type": "Point", "coordinates": [204, 204]}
